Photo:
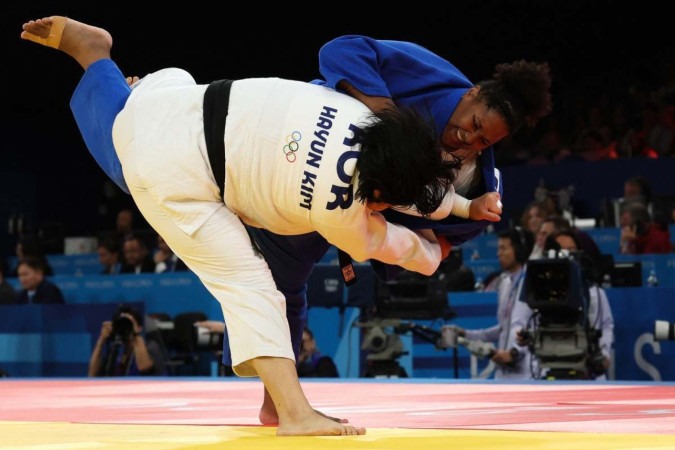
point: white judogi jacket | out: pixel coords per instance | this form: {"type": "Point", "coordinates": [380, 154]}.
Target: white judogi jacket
{"type": "Point", "coordinates": [289, 160]}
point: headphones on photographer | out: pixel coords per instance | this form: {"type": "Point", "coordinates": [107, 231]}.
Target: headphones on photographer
{"type": "Point", "coordinates": [522, 242]}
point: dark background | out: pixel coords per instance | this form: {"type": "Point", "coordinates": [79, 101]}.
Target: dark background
{"type": "Point", "coordinates": [592, 47]}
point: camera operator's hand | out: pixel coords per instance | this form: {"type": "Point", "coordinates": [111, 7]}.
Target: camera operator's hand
{"type": "Point", "coordinates": [106, 330]}
{"type": "Point", "coordinates": [523, 338]}
{"type": "Point", "coordinates": [503, 357]}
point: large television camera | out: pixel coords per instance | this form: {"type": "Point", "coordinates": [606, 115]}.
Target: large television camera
{"type": "Point", "coordinates": [409, 296]}
{"type": "Point", "coordinates": [563, 343]}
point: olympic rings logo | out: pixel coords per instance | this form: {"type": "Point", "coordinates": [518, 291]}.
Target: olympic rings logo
{"type": "Point", "coordinates": [292, 146]}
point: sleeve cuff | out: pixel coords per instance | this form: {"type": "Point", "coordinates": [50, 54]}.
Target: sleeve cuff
{"type": "Point", "coordinates": [461, 207]}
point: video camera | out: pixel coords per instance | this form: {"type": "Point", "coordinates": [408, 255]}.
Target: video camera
{"type": "Point", "coordinates": [562, 340]}
{"type": "Point", "coordinates": [411, 296]}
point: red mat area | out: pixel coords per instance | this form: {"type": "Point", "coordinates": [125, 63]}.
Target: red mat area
{"type": "Point", "coordinates": [545, 406]}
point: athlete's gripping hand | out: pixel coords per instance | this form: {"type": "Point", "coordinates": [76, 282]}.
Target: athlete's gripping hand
{"type": "Point", "coordinates": [486, 207]}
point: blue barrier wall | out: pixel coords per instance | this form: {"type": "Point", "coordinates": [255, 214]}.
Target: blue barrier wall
{"type": "Point", "coordinates": [171, 293]}
{"type": "Point", "coordinates": [51, 340]}
{"type": "Point", "coordinates": [55, 340]}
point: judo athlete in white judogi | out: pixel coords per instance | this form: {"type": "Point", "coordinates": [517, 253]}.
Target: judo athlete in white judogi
{"type": "Point", "coordinates": [286, 156]}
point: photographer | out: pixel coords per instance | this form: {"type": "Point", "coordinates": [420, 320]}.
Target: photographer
{"type": "Point", "coordinates": [121, 349]}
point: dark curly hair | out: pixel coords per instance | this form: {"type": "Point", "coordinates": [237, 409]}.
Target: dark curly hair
{"type": "Point", "coordinates": [520, 92]}
{"type": "Point", "coordinates": [401, 157]}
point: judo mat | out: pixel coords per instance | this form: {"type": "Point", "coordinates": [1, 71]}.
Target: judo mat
{"type": "Point", "coordinates": [217, 413]}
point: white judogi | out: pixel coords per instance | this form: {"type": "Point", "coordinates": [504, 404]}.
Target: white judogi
{"type": "Point", "coordinates": [288, 154]}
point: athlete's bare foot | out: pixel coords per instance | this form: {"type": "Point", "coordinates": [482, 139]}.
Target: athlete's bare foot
{"type": "Point", "coordinates": [318, 425]}
{"type": "Point", "coordinates": [268, 413]}
{"type": "Point", "coordinates": [271, 418]}
{"type": "Point", "coordinates": [85, 43]}
{"type": "Point", "coordinates": [296, 416]}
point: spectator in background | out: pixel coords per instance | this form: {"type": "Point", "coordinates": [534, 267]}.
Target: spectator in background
{"type": "Point", "coordinates": [662, 135]}
{"type": "Point", "coordinates": [637, 190]}
{"type": "Point", "coordinates": [553, 225]}
{"type": "Point", "coordinates": [166, 260]}
{"type": "Point", "coordinates": [35, 287]}
{"type": "Point", "coordinates": [30, 245]}
{"type": "Point", "coordinates": [124, 225]}
{"type": "Point", "coordinates": [634, 142]}
{"type": "Point", "coordinates": [311, 363]}
{"type": "Point", "coordinates": [7, 292]}
{"type": "Point", "coordinates": [549, 226]}
{"type": "Point", "coordinates": [121, 348]}
{"type": "Point", "coordinates": [640, 234]}
{"type": "Point", "coordinates": [532, 218]}
{"type": "Point", "coordinates": [137, 256]}
{"type": "Point", "coordinates": [124, 228]}
{"type": "Point", "coordinates": [109, 256]}
{"type": "Point", "coordinates": [591, 146]}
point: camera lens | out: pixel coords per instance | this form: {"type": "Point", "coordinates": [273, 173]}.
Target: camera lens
{"type": "Point", "coordinates": [664, 330]}
{"type": "Point", "coordinates": [122, 328]}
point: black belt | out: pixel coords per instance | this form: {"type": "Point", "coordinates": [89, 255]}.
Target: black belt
{"type": "Point", "coordinates": [216, 103]}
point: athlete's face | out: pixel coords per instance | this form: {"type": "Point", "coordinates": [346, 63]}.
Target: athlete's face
{"type": "Point", "coordinates": [473, 126]}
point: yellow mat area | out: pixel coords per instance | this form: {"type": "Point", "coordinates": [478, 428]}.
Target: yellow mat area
{"type": "Point", "coordinates": [62, 436]}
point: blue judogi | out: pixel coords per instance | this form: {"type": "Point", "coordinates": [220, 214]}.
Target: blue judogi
{"type": "Point", "coordinates": [99, 96]}
{"type": "Point", "coordinates": [412, 76]}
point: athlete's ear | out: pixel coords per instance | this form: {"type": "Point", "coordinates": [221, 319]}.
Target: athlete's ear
{"type": "Point", "coordinates": [375, 204]}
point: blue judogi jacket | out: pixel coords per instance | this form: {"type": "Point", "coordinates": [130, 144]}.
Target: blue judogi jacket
{"type": "Point", "coordinates": [413, 77]}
